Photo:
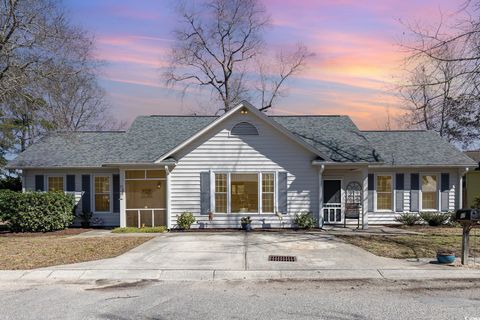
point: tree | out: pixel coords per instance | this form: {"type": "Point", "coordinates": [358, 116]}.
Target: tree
{"type": "Point", "coordinates": [219, 45]}
{"type": "Point", "coordinates": [48, 75]}
{"type": "Point", "coordinates": [441, 86]}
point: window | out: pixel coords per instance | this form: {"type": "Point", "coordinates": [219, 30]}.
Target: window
{"type": "Point", "coordinates": [384, 193]}
{"type": "Point", "coordinates": [429, 192]}
{"type": "Point", "coordinates": [221, 193]}
{"type": "Point", "coordinates": [268, 194]}
{"type": "Point", "coordinates": [244, 192]}
{"type": "Point", "coordinates": [102, 193]}
{"type": "Point", "coordinates": [240, 192]}
{"type": "Point", "coordinates": [55, 184]}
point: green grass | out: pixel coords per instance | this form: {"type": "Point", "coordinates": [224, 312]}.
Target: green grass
{"type": "Point", "coordinates": [140, 230]}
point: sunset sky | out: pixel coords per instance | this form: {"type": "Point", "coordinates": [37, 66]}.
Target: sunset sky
{"type": "Point", "coordinates": [355, 43]}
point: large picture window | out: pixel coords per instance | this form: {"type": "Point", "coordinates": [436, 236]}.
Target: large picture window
{"type": "Point", "coordinates": [429, 192]}
{"type": "Point", "coordinates": [102, 193]}
{"type": "Point", "coordinates": [55, 184]}
{"type": "Point", "coordinates": [384, 192]}
{"type": "Point", "coordinates": [241, 192]}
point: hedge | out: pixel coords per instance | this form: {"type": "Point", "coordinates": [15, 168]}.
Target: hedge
{"type": "Point", "coordinates": [36, 211]}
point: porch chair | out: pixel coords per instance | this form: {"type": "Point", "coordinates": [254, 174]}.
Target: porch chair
{"type": "Point", "coordinates": [352, 211]}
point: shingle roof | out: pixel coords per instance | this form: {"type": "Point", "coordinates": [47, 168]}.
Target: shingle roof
{"type": "Point", "coordinates": [335, 136]}
{"type": "Point", "coordinates": [75, 149]}
{"type": "Point", "coordinates": [474, 154]}
{"type": "Point", "coordinates": [415, 148]}
{"type": "Point", "coordinates": [150, 137]}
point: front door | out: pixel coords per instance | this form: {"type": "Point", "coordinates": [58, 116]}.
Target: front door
{"type": "Point", "coordinates": [332, 201]}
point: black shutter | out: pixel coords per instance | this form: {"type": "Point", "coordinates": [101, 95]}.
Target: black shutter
{"type": "Point", "coordinates": [414, 192]}
{"type": "Point", "coordinates": [283, 192]}
{"type": "Point", "coordinates": [39, 182]}
{"type": "Point", "coordinates": [86, 202]}
{"type": "Point", "coordinates": [116, 193]}
{"type": "Point", "coordinates": [371, 191]}
{"type": "Point", "coordinates": [399, 187]}
{"type": "Point", "coordinates": [445, 191]}
{"type": "Point", "coordinates": [70, 182]}
{"type": "Point", "coordinates": [204, 192]}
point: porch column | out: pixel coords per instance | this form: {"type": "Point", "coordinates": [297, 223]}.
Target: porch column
{"type": "Point", "coordinates": [169, 218]}
{"type": "Point", "coordinates": [123, 214]}
{"type": "Point", "coordinates": [320, 195]}
{"type": "Point", "coordinates": [365, 198]}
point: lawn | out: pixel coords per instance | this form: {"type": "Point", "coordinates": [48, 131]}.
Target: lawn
{"type": "Point", "coordinates": [21, 252]}
{"type": "Point", "coordinates": [424, 245]}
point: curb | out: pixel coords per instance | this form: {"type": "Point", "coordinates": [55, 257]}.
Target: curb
{"type": "Point", "coordinates": [79, 275]}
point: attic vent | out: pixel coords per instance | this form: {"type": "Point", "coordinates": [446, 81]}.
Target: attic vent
{"type": "Point", "coordinates": [244, 129]}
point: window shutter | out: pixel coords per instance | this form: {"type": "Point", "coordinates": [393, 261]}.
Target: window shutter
{"type": "Point", "coordinates": [445, 191]}
{"type": "Point", "coordinates": [414, 192]}
{"type": "Point", "coordinates": [39, 183]}
{"type": "Point", "coordinates": [116, 192]}
{"type": "Point", "coordinates": [371, 190]}
{"type": "Point", "coordinates": [205, 192]}
{"type": "Point", "coordinates": [86, 204]}
{"type": "Point", "coordinates": [70, 182]}
{"type": "Point", "coordinates": [399, 189]}
{"type": "Point", "coordinates": [283, 192]}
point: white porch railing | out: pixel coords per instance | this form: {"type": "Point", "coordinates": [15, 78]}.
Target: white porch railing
{"type": "Point", "coordinates": [332, 212]}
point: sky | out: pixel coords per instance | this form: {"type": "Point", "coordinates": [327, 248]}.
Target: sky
{"type": "Point", "coordinates": [353, 72]}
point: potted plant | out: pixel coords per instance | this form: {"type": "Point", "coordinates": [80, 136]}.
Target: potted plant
{"type": "Point", "coordinates": [85, 217]}
{"type": "Point", "coordinates": [246, 223]}
{"type": "Point", "coordinates": [445, 256]}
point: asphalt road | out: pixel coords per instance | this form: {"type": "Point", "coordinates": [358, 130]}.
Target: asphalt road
{"type": "Point", "coordinates": [243, 300]}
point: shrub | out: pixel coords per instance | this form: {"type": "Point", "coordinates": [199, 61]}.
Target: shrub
{"type": "Point", "coordinates": [408, 218]}
{"type": "Point", "coordinates": [304, 220]}
{"type": "Point", "coordinates": [185, 220]}
{"type": "Point", "coordinates": [246, 220]}
{"type": "Point", "coordinates": [11, 183]}
{"type": "Point", "coordinates": [160, 229]}
{"type": "Point", "coordinates": [36, 211]}
{"type": "Point", "coordinates": [435, 219]}
{"type": "Point", "coordinates": [476, 203]}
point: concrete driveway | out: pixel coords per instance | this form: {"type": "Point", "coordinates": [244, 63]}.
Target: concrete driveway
{"type": "Point", "coordinates": [242, 251]}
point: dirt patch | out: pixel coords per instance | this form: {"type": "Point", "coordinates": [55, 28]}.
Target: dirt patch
{"type": "Point", "coordinates": [66, 232]}
{"type": "Point", "coordinates": [36, 252]}
{"type": "Point", "coordinates": [412, 246]}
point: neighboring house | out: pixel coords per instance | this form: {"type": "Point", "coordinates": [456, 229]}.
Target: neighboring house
{"type": "Point", "coordinates": [247, 163]}
{"type": "Point", "coordinates": [472, 183]}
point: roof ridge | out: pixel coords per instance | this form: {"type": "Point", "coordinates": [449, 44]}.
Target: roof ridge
{"type": "Point", "coordinates": [178, 115]}
{"type": "Point", "coordinates": [393, 131]}
{"type": "Point", "coordinates": [307, 115]}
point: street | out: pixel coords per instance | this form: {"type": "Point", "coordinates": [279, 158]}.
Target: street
{"type": "Point", "coordinates": [374, 299]}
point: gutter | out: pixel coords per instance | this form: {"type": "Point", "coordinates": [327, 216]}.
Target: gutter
{"type": "Point", "coordinates": [423, 166]}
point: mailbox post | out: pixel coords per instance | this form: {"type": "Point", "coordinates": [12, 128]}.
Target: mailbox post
{"type": "Point", "coordinates": [468, 218]}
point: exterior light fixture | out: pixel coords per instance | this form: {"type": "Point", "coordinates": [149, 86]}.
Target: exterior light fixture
{"type": "Point", "coordinates": [243, 111]}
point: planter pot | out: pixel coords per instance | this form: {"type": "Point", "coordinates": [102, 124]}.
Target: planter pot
{"type": "Point", "coordinates": [247, 226]}
{"type": "Point", "coordinates": [445, 258]}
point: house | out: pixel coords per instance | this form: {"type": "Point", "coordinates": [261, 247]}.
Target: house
{"type": "Point", "coordinates": [247, 163]}
{"type": "Point", "coordinates": [472, 183]}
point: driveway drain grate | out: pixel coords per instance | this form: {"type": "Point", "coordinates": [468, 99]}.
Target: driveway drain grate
{"type": "Point", "coordinates": [282, 258]}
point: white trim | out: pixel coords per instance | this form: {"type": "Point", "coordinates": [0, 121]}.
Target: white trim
{"type": "Point", "coordinates": [255, 111]}
{"type": "Point", "coordinates": [228, 173]}
{"type": "Point", "coordinates": [375, 207]}
{"type": "Point", "coordinates": [123, 212]}
{"type": "Point", "coordinates": [167, 196]}
{"type": "Point", "coordinates": [94, 193]}
{"type": "Point", "coordinates": [420, 197]}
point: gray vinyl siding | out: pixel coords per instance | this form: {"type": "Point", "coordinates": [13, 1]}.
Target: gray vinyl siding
{"type": "Point", "coordinates": [109, 219]}
{"type": "Point", "coordinates": [389, 217]}
{"type": "Point", "coordinates": [219, 151]}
